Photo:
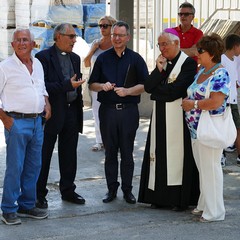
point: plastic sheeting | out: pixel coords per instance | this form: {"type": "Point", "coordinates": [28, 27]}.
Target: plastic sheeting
{"type": "Point", "coordinates": [57, 11]}
{"type": "Point", "coordinates": [93, 12]}
{"type": "Point", "coordinates": [43, 34]}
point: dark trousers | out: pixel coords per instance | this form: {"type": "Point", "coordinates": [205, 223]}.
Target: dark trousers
{"type": "Point", "coordinates": [67, 155]}
{"type": "Point", "coordinates": [118, 129]}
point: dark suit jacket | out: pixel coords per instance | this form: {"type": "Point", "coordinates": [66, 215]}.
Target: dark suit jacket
{"type": "Point", "coordinates": [57, 88]}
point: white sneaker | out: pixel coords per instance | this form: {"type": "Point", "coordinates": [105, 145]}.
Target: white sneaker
{"type": "Point", "coordinates": [223, 160]}
{"type": "Point", "coordinates": [230, 148]}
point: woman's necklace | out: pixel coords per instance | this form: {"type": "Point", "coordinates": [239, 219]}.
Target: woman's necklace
{"type": "Point", "coordinates": [211, 69]}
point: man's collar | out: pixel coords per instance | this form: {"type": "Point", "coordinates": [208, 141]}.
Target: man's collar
{"type": "Point", "coordinates": [18, 60]}
{"type": "Point", "coordinates": [174, 60]}
{"type": "Point", "coordinates": [60, 51]}
{"type": "Point", "coordinates": [122, 53]}
{"type": "Point", "coordinates": [179, 28]}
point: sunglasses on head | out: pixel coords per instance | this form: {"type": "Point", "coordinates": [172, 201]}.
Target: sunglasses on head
{"type": "Point", "coordinates": [185, 14]}
{"type": "Point", "coordinates": [200, 50]}
{"type": "Point", "coordinates": [104, 26]}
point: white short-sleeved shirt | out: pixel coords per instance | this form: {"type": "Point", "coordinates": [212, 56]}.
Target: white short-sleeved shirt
{"type": "Point", "coordinates": [231, 67]}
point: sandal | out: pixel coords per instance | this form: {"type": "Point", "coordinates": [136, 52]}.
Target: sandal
{"type": "Point", "coordinates": [197, 212]}
{"type": "Point", "coordinates": [203, 220]}
{"type": "Point", "coordinates": [97, 147]}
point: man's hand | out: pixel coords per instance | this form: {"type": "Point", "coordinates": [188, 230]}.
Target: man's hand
{"type": "Point", "coordinates": [76, 84]}
{"type": "Point", "coordinates": [47, 109]}
{"type": "Point", "coordinates": [121, 91]}
{"type": "Point", "coordinates": [161, 62]}
{"type": "Point", "coordinates": [108, 86]}
{"type": "Point", "coordinates": [6, 120]}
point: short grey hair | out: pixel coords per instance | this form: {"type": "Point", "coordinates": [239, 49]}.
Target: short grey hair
{"type": "Point", "coordinates": [171, 37]}
{"type": "Point", "coordinates": [23, 30]}
{"type": "Point", "coordinates": [61, 28]}
{"type": "Point", "coordinates": [188, 5]}
{"type": "Point", "coordinates": [121, 24]}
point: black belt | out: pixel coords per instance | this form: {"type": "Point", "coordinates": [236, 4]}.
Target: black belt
{"type": "Point", "coordinates": [120, 106]}
{"type": "Point", "coordinates": [23, 115]}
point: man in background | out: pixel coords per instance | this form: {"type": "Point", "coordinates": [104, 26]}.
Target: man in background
{"type": "Point", "coordinates": [230, 62]}
{"type": "Point", "coordinates": [188, 34]}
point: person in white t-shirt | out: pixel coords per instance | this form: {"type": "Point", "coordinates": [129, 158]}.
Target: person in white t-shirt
{"type": "Point", "coordinates": [229, 61]}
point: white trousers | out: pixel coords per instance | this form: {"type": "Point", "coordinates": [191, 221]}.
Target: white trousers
{"type": "Point", "coordinates": [95, 107]}
{"type": "Point", "coordinates": [208, 161]}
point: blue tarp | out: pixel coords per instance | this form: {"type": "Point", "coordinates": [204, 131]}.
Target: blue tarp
{"type": "Point", "coordinates": [57, 14]}
{"type": "Point", "coordinates": [91, 33]}
{"type": "Point", "coordinates": [91, 16]}
{"type": "Point", "coordinates": [44, 35]}
{"type": "Point", "coordinates": [92, 13]}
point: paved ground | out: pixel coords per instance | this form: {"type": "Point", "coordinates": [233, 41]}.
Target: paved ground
{"type": "Point", "coordinates": [119, 220]}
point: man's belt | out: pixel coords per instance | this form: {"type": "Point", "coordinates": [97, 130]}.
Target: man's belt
{"type": "Point", "coordinates": [23, 115]}
{"type": "Point", "coordinates": [120, 106]}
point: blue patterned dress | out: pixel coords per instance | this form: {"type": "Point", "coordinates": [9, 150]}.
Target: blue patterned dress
{"type": "Point", "coordinates": [220, 82]}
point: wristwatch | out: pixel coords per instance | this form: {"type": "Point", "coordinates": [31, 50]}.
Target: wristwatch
{"type": "Point", "coordinates": [196, 104]}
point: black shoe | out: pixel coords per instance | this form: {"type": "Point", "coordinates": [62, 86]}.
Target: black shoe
{"type": "Point", "coordinates": [179, 209]}
{"type": "Point", "coordinates": [42, 203]}
{"type": "Point", "coordinates": [129, 198]}
{"type": "Point", "coordinates": [155, 206]}
{"type": "Point", "coordinates": [35, 213]}
{"type": "Point", "coordinates": [74, 198]}
{"type": "Point", "coordinates": [110, 196]}
{"type": "Point", "coordinates": [10, 218]}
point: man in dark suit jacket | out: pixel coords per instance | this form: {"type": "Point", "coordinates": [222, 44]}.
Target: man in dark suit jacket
{"type": "Point", "coordinates": [63, 83]}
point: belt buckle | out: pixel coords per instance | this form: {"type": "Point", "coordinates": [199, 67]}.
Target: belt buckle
{"type": "Point", "coordinates": [119, 106]}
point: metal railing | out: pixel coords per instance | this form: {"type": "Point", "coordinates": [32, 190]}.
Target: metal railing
{"type": "Point", "coordinates": [152, 16]}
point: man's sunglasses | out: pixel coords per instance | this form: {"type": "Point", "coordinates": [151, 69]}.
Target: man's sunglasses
{"type": "Point", "coordinates": [71, 36]}
{"type": "Point", "coordinates": [200, 50]}
{"type": "Point", "coordinates": [104, 26]}
{"type": "Point", "coordinates": [185, 14]}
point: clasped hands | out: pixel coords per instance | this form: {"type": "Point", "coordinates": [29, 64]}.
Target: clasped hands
{"type": "Point", "coordinates": [120, 91]}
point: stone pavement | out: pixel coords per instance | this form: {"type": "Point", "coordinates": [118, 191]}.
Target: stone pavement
{"type": "Point", "coordinates": [119, 220]}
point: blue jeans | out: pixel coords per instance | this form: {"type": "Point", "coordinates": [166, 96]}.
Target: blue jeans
{"type": "Point", "coordinates": [23, 164]}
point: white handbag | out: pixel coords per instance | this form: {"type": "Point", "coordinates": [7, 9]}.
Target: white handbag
{"type": "Point", "coordinates": [217, 131]}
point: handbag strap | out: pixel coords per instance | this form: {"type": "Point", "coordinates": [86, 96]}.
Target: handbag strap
{"type": "Point", "coordinates": [207, 93]}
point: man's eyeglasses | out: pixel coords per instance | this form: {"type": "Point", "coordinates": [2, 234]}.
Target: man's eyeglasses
{"type": "Point", "coordinates": [71, 36]}
{"type": "Point", "coordinates": [185, 14]}
{"type": "Point", "coordinates": [200, 50]}
{"type": "Point", "coordinates": [23, 40]}
{"type": "Point", "coordinates": [114, 35]}
{"type": "Point", "coordinates": [104, 26]}
{"type": "Point", "coordinates": [163, 44]}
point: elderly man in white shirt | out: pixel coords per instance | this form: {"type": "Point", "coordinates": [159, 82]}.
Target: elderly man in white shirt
{"type": "Point", "coordinates": [23, 101]}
